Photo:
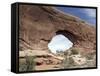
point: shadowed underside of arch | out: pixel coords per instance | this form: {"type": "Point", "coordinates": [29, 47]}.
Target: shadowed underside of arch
{"type": "Point", "coordinates": [67, 34]}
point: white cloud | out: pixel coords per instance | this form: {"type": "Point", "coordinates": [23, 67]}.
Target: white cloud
{"type": "Point", "coordinates": [90, 12]}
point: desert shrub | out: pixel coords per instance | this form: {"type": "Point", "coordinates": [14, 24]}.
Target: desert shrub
{"type": "Point", "coordinates": [68, 62]}
{"type": "Point", "coordinates": [65, 63]}
{"type": "Point", "coordinates": [74, 51]}
{"type": "Point", "coordinates": [60, 53]}
{"type": "Point", "coordinates": [91, 61]}
{"type": "Point", "coordinates": [90, 56]}
{"type": "Point", "coordinates": [22, 66]}
{"type": "Point", "coordinates": [67, 52]}
{"type": "Point", "coordinates": [30, 63]}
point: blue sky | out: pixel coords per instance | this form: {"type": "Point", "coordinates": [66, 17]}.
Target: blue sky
{"type": "Point", "coordinates": [86, 14]}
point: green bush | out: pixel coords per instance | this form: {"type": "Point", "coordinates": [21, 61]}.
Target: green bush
{"type": "Point", "coordinates": [22, 65]}
{"type": "Point", "coordinates": [74, 51]}
{"type": "Point", "coordinates": [60, 53]}
{"type": "Point", "coordinates": [68, 63]}
{"type": "Point", "coordinates": [30, 63]}
{"type": "Point", "coordinates": [90, 56]}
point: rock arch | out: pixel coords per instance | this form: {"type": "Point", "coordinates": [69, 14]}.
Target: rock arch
{"type": "Point", "coordinates": [67, 34]}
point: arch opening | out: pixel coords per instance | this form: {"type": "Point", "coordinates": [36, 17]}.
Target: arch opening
{"type": "Point", "coordinates": [67, 34]}
{"type": "Point", "coordinates": [59, 43]}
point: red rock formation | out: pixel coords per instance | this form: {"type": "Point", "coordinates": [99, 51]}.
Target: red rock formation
{"type": "Point", "coordinates": [38, 24]}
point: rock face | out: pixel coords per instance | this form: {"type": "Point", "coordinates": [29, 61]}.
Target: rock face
{"type": "Point", "coordinates": [38, 24]}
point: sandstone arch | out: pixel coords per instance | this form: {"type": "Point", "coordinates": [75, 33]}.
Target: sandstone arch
{"type": "Point", "coordinates": [43, 22]}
